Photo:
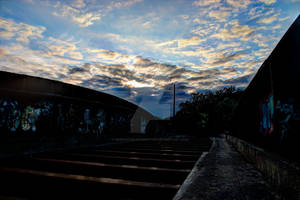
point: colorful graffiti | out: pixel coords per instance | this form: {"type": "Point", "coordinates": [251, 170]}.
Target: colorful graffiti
{"type": "Point", "coordinates": [14, 119]}
{"type": "Point", "coordinates": [267, 115]}
{"type": "Point", "coordinates": [100, 122]}
{"type": "Point", "coordinates": [285, 113]}
{"type": "Point", "coordinates": [281, 114]}
{"type": "Point", "coordinates": [10, 115]}
{"type": "Point", "coordinates": [57, 118]}
{"type": "Point", "coordinates": [29, 117]}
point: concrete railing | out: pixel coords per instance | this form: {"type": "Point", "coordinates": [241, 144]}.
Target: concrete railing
{"type": "Point", "coordinates": [283, 174]}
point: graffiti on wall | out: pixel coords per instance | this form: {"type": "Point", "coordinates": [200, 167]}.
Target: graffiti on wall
{"type": "Point", "coordinates": [285, 114]}
{"type": "Point", "coordinates": [282, 114]}
{"type": "Point", "coordinates": [10, 115]}
{"type": "Point", "coordinates": [44, 117]}
{"type": "Point", "coordinates": [100, 121]}
{"type": "Point", "coordinates": [143, 125]}
{"type": "Point", "coordinates": [13, 118]}
{"type": "Point", "coordinates": [57, 118]}
{"type": "Point", "coordinates": [267, 115]}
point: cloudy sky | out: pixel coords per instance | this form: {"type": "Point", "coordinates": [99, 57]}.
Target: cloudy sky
{"type": "Point", "coordinates": [136, 49]}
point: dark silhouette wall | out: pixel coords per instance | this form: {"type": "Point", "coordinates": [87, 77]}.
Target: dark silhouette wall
{"type": "Point", "coordinates": [269, 112]}
{"type": "Point", "coordinates": [31, 105]}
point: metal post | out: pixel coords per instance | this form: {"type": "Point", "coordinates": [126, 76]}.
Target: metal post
{"type": "Point", "coordinates": [174, 95]}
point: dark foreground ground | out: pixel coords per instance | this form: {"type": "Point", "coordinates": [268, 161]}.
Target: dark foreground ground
{"type": "Point", "coordinates": [144, 169]}
{"type": "Point", "coordinates": [223, 174]}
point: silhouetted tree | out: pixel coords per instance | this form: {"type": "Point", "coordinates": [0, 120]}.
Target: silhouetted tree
{"type": "Point", "coordinates": [208, 113]}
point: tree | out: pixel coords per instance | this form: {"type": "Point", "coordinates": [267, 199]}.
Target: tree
{"type": "Point", "coordinates": [208, 113]}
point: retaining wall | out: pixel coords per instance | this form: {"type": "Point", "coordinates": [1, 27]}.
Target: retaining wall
{"type": "Point", "coordinates": [282, 173]}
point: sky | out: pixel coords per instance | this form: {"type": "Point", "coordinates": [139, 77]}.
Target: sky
{"type": "Point", "coordinates": [136, 49]}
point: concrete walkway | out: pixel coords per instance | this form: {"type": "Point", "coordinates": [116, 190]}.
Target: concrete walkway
{"type": "Point", "coordinates": [223, 174]}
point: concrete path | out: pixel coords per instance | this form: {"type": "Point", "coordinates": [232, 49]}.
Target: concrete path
{"type": "Point", "coordinates": [223, 174]}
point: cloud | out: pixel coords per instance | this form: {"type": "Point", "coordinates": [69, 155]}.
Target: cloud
{"type": "Point", "coordinates": [184, 17]}
{"type": "Point", "coordinates": [99, 82]}
{"type": "Point", "coordinates": [138, 84]}
{"type": "Point", "coordinates": [49, 52]}
{"type": "Point", "coordinates": [77, 70]}
{"type": "Point", "coordinates": [262, 52]}
{"type": "Point", "coordinates": [61, 49]}
{"type": "Point", "coordinates": [146, 24]}
{"type": "Point", "coordinates": [6, 35]}
{"type": "Point", "coordinates": [13, 63]}
{"type": "Point", "coordinates": [182, 43]}
{"type": "Point", "coordinates": [86, 14]}
{"type": "Point", "coordinates": [229, 57]}
{"type": "Point", "coordinates": [227, 45]}
{"type": "Point", "coordinates": [277, 26]}
{"type": "Point", "coordinates": [4, 52]}
{"type": "Point", "coordinates": [77, 13]}
{"type": "Point", "coordinates": [244, 32]}
{"type": "Point", "coordinates": [242, 80]}
{"type": "Point", "coordinates": [219, 15]}
{"type": "Point", "coordinates": [122, 4]}
{"type": "Point", "coordinates": [268, 2]}
{"type": "Point", "coordinates": [139, 73]}
{"type": "Point", "coordinates": [75, 55]}
{"type": "Point", "coordinates": [78, 3]}
{"type": "Point", "coordinates": [9, 25]}
{"type": "Point", "coordinates": [123, 92]}
{"type": "Point", "coordinates": [205, 2]}
{"type": "Point", "coordinates": [268, 20]}
{"type": "Point", "coordinates": [205, 28]}
{"type": "Point", "coordinates": [194, 53]}
{"type": "Point", "coordinates": [104, 54]}
{"type": "Point", "coordinates": [86, 19]}
{"type": "Point", "coordinates": [211, 75]}
{"type": "Point", "coordinates": [20, 31]}
{"type": "Point", "coordinates": [239, 4]}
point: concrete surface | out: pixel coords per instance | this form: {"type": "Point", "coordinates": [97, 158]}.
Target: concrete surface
{"type": "Point", "coordinates": [223, 174]}
{"type": "Point", "coordinates": [282, 173]}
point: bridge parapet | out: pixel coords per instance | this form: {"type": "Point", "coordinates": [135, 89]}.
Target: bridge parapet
{"type": "Point", "coordinates": [268, 114]}
{"type": "Point", "coordinates": [36, 108]}
{"type": "Point", "coordinates": [282, 173]}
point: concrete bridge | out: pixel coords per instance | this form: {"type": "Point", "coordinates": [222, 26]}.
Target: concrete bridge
{"type": "Point", "coordinates": [37, 106]}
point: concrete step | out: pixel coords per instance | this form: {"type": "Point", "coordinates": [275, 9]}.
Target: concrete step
{"type": "Point", "coordinates": [126, 160]}
{"type": "Point", "coordinates": [33, 184]}
{"type": "Point", "coordinates": [128, 172]}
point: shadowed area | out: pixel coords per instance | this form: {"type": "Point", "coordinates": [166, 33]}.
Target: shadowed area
{"type": "Point", "coordinates": [98, 172]}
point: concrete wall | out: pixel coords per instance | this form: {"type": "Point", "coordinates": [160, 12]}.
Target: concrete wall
{"type": "Point", "coordinates": [283, 174]}
{"type": "Point", "coordinates": [36, 106]}
{"type": "Point", "coordinates": [268, 114]}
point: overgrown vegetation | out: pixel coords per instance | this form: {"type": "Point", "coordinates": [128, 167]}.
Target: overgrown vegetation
{"type": "Point", "coordinates": [208, 113]}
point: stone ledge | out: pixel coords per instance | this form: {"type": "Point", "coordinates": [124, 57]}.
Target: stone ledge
{"type": "Point", "coordinates": [283, 174]}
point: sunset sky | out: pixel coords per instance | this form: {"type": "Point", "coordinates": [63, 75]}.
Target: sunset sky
{"type": "Point", "coordinates": [136, 49]}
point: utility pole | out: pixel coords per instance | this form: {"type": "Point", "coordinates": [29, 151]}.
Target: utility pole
{"type": "Point", "coordinates": [174, 95]}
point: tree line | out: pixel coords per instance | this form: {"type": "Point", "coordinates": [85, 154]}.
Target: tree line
{"type": "Point", "coordinates": [207, 113]}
